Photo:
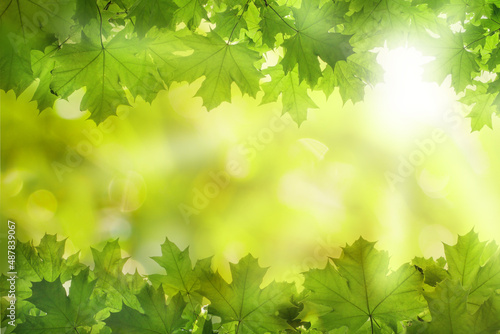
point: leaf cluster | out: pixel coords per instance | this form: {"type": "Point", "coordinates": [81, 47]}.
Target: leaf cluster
{"type": "Point", "coordinates": [355, 293]}
{"type": "Point", "coordinates": [122, 49]}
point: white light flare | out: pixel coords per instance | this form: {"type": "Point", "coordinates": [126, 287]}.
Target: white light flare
{"type": "Point", "coordinates": [404, 100]}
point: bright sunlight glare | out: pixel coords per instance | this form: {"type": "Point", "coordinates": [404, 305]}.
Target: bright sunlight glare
{"type": "Point", "coordinates": [404, 98]}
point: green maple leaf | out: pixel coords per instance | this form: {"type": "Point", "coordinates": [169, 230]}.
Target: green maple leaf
{"type": "Point", "coordinates": [433, 4]}
{"type": "Point", "coordinates": [104, 68]}
{"type": "Point", "coordinates": [457, 10]}
{"type": "Point", "coordinates": [433, 270]}
{"type": "Point", "coordinates": [156, 318]}
{"type": "Point", "coordinates": [494, 59]}
{"type": "Point", "coordinates": [464, 258]}
{"type": "Point", "coordinates": [242, 304]}
{"type": "Point", "coordinates": [451, 58]}
{"type": "Point", "coordinates": [222, 64]}
{"type": "Point", "coordinates": [484, 106]}
{"type": "Point", "coordinates": [359, 291]}
{"type": "Point", "coordinates": [476, 266]}
{"type": "Point", "coordinates": [161, 50]}
{"type": "Point", "coordinates": [45, 261]}
{"type": "Point", "coordinates": [229, 23]}
{"type": "Point", "coordinates": [152, 13]}
{"type": "Point", "coordinates": [86, 10]}
{"type": "Point", "coordinates": [191, 12]}
{"type": "Point", "coordinates": [480, 267]}
{"type": "Point", "coordinates": [115, 286]}
{"type": "Point", "coordinates": [474, 35]}
{"type": "Point", "coordinates": [42, 65]}
{"type": "Point", "coordinates": [180, 276]}
{"type": "Point", "coordinates": [391, 21]}
{"type": "Point", "coordinates": [204, 326]}
{"type": "Point", "coordinates": [450, 314]}
{"type": "Point", "coordinates": [274, 20]}
{"type": "Point", "coordinates": [294, 96]}
{"type": "Point", "coordinates": [15, 65]}
{"type": "Point", "coordinates": [36, 23]}
{"type": "Point", "coordinates": [125, 4]}
{"type": "Point", "coordinates": [74, 313]}
{"type": "Point", "coordinates": [387, 14]}
{"type": "Point", "coordinates": [362, 5]}
{"type": "Point", "coordinates": [312, 39]}
{"type": "Point", "coordinates": [352, 76]}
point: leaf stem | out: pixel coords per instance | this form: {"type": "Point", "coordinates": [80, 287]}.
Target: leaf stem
{"type": "Point", "coordinates": [100, 27]}
{"type": "Point", "coordinates": [484, 36]}
{"type": "Point", "coordinates": [237, 22]}
{"type": "Point", "coordinates": [282, 19]}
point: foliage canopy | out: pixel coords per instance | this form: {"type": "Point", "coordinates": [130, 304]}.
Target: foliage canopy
{"type": "Point", "coordinates": [355, 293]}
{"type": "Point", "coordinates": [113, 48]}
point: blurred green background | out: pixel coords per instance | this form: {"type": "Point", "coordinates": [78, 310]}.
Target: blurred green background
{"type": "Point", "coordinates": [402, 168]}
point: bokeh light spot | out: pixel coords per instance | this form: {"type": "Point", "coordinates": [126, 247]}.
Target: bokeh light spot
{"type": "Point", "coordinates": [42, 205]}
{"type": "Point", "coordinates": [12, 183]}
{"type": "Point", "coordinates": [128, 191]}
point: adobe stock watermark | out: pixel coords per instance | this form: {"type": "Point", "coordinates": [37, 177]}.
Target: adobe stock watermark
{"type": "Point", "coordinates": [220, 180]}
{"type": "Point", "coordinates": [423, 148]}
{"type": "Point", "coordinates": [31, 26]}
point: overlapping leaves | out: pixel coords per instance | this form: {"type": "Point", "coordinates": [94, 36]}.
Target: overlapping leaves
{"type": "Point", "coordinates": [137, 46]}
{"type": "Point", "coordinates": [72, 313]}
{"type": "Point", "coordinates": [466, 298]}
{"type": "Point", "coordinates": [355, 293]}
{"type": "Point", "coordinates": [358, 291]}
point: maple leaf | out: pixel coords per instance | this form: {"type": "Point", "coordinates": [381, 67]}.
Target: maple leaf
{"type": "Point", "coordinates": [474, 35]}
{"type": "Point", "coordinates": [112, 284]}
{"type": "Point", "coordinates": [221, 63]}
{"type": "Point", "coordinates": [229, 22]}
{"type": "Point", "coordinates": [359, 291]}
{"type": "Point", "coordinates": [74, 313]}
{"type": "Point", "coordinates": [465, 264]}
{"type": "Point", "coordinates": [312, 40]}
{"type": "Point", "coordinates": [191, 12]}
{"type": "Point", "coordinates": [433, 270]}
{"type": "Point", "coordinates": [377, 22]}
{"type": "Point", "coordinates": [494, 59]}
{"type": "Point", "coordinates": [242, 304]}
{"type": "Point", "coordinates": [484, 106]}
{"type": "Point", "coordinates": [45, 261]}
{"type": "Point", "coordinates": [86, 10]}
{"type": "Point", "coordinates": [352, 76]}
{"type": "Point", "coordinates": [15, 65]}
{"type": "Point", "coordinates": [156, 318]}
{"type": "Point", "coordinates": [457, 10]}
{"type": "Point", "coordinates": [161, 50]}
{"type": "Point", "coordinates": [294, 95]}
{"type": "Point", "coordinates": [451, 58]}
{"type": "Point", "coordinates": [36, 23]}
{"type": "Point", "coordinates": [464, 258]}
{"type": "Point", "coordinates": [42, 65]}
{"type": "Point", "coordinates": [433, 4]}
{"type": "Point", "coordinates": [450, 314]}
{"type": "Point", "coordinates": [104, 68]}
{"type": "Point", "coordinates": [180, 276]}
{"type": "Point", "coordinates": [275, 20]}
{"type": "Point", "coordinates": [125, 4]}
{"type": "Point", "coordinates": [152, 13]}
